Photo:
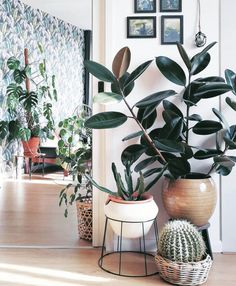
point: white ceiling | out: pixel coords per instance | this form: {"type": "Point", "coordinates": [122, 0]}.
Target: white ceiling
{"type": "Point", "coordinates": [76, 12]}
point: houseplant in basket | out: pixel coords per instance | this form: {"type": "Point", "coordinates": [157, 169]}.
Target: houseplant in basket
{"type": "Point", "coordinates": [75, 155]}
{"type": "Point", "coordinates": [29, 102]}
{"type": "Point", "coordinates": [168, 145]}
{"type": "Point", "coordinates": [181, 257]}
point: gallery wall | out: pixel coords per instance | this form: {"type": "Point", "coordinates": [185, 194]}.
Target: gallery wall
{"type": "Point", "coordinates": [22, 26]}
{"type": "Point", "coordinates": [152, 81]}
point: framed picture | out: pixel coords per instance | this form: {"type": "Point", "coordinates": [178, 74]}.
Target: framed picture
{"type": "Point", "coordinates": [171, 30]}
{"type": "Point", "coordinates": [170, 5]}
{"type": "Point", "coordinates": [141, 27]}
{"type": "Point", "coordinates": [144, 6]}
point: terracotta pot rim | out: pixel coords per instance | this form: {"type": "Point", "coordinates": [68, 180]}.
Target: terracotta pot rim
{"type": "Point", "coordinates": [147, 198]}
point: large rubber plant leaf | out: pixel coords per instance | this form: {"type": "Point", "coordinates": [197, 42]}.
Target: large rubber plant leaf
{"type": "Point", "coordinates": [107, 98]}
{"type": "Point", "coordinates": [156, 179]}
{"type": "Point", "coordinates": [171, 70]}
{"type": "Point", "coordinates": [184, 56]}
{"type": "Point", "coordinates": [131, 154]}
{"type": "Point", "coordinates": [179, 167]}
{"type": "Point", "coordinates": [154, 99]}
{"type": "Point", "coordinates": [105, 120]}
{"type": "Point", "coordinates": [148, 121]}
{"type": "Point", "coordinates": [199, 63]}
{"type": "Point", "coordinates": [172, 131]}
{"type": "Point", "coordinates": [119, 86]}
{"type": "Point", "coordinates": [13, 63]}
{"type": "Point", "coordinates": [221, 117]}
{"type": "Point", "coordinates": [211, 90]}
{"type": "Point", "coordinates": [230, 77]}
{"type": "Point", "coordinates": [206, 127]}
{"type": "Point", "coordinates": [99, 71]}
{"type": "Point", "coordinates": [121, 62]}
{"type": "Point", "coordinates": [171, 106]}
{"type": "Point", "coordinates": [210, 79]}
{"type": "Point", "coordinates": [206, 154]}
{"type": "Point", "coordinates": [143, 164]}
{"type": "Point", "coordinates": [137, 73]}
{"type": "Point", "coordinates": [133, 135]}
{"type": "Point", "coordinates": [231, 103]}
{"type": "Point", "coordinates": [189, 93]}
{"type": "Point", "coordinates": [169, 146]}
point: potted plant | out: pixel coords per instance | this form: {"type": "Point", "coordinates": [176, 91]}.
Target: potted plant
{"type": "Point", "coordinates": [29, 103]}
{"type": "Point", "coordinates": [168, 146]}
{"type": "Point", "coordinates": [75, 155]}
{"type": "Point", "coordinates": [183, 262]}
{"type": "Point", "coordinates": [130, 203]}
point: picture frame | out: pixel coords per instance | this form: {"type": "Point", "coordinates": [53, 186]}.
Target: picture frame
{"type": "Point", "coordinates": [144, 6]}
{"type": "Point", "coordinates": [172, 30]}
{"type": "Point", "coordinates": [141, 27]}
{"type": "Point", "coordinates": [170, 5]}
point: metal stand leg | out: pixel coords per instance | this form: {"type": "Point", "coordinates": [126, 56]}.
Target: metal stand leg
{"type": "Point", "coordinates": [30, 166]}
{"type": "Point", "coordinates": [205, 236]}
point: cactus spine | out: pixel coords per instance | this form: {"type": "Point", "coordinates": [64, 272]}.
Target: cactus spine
{"type": "Point", "coordinates": [180, 241]}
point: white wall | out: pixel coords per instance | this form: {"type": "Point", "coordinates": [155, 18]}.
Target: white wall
{"type": "Point", "coordinates": [228, 54]}
{"type": "Point", "coordinates": [75, 12]}
{"type": "Point", "coordinates": [152, 80]}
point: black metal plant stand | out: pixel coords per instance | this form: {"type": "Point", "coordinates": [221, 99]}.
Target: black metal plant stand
{"type": "Point", "coordinates": [119, 251]}
{"type": "Point", "coordinates": [204, 231]}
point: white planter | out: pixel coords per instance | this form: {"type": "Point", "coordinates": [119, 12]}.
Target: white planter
{"type": "Point", "coordinates": [132, 213]}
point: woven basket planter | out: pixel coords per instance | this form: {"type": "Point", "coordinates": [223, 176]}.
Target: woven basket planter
{"type": "Point", "coordinates": [192, 273]}
{"type": "Point", "coordinates": [85, 219]}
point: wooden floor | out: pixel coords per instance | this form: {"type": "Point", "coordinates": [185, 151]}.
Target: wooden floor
{"type": "Point", "coordinates": [30, 215]}
{"type": "Point", "coordinates": [78, 267]}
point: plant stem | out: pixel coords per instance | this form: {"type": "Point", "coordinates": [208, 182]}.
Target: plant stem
{"type": "Point", "coordinates": [188, 111]}
{"type": "Point", "coordinates": [147, 137]}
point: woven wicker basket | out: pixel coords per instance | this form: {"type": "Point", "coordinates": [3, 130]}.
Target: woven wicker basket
{"type": "Point", "coordinates": [192, 273]}
{"type": "Point", "coordinates": [85, 219]}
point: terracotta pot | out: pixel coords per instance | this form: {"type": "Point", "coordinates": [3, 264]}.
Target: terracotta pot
{"type": "Point", "coordinates": [31, 147]}
{"type": "Point", "coordinates": [190, 199]}
{"type": "Point", "coordinates": [132, 214]}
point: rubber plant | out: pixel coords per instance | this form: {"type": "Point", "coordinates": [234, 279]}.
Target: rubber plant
{"type": "Point", "coordinates": [167, 145]}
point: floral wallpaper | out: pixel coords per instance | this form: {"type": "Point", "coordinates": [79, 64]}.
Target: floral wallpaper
{"type": "Point", "coordinates": [22, 26]}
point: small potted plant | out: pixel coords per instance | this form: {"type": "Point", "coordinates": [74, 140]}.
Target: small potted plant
{"type": "Point", "coordinates": [181, 257]}
{"type": "Point", "coordinates": [29, 102]}
{"type": "Point", "coordinates": [75, 155]}
{"type": "Point", "coordinates": [130, 203]}
{"type": "Point", "coordinates": [169, 146]}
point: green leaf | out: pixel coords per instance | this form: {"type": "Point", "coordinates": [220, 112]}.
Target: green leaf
{"type": "Point", "coordinates": [99, 71]}
{"type": "Point", "coordinates": [199, 63]}
{"type": "Point", "coordinates": [178, 167]}
{"type": "Point", "coordinates": [206, 154]}
{"type": "Point", "coordinates": [19, 76]}
{"type": "Point", "coordinates": [231, 103]}
{"type": "Point", "coordinates": [223, 171]}
{"type": "Point", "coordinates": [184, 56]}
{"type": "Point", "coordinates": [121, 62]}
{"type": "Point", "coordinates": [148, 121]}
{"type": "Point", "coordinates": [143, 164]}
{"type": "Point", "coordinates": [171, 106]}
{"type": "Point", "coordinates": [118, 86]}
{"type": "Point", "coordinates": [154, 99]}
{"type": "Point", "coordinates": [141, 188]}
{"type": "Point", "coordinates": [13, 63]}
{"type": "Point", "coordinates": [133, 135]}
{"type": "Point", "coordinates": [194, 117]}
{"type": "Point", "coordinates": [53, 81]}
{"type": "Point", "coordinates": [104, 120]}
{"type": "Point", "coordinates": [206, 127]}
{"type": "Point", "coordinates": [137, 73]}
{"type": "Point", "coordinates": [230, 77]}
{"type": "Point", "coordinates": [153, 182]}
{"type": "Point", "coordinates": [210, 79]}
{"type": "Point", "coordinates": [131, 154]}
{"type": "Point", "coordinates": [171, 70]}
{"type": "Point", "coordinates": [224, 161]}
{"type": "Point", "coordinates": [172, 131]}
{"type": "Point", "coordinates": [221, 117]}
{"type": "Point", "coordinates": [105, 190]}
{"type": "Point", "coordinates": [30, 100]}
{"type": "Point", "coordinates": [107, 97]}
{"type": "Point", "coordinates": [27, 71]}
{"type": "Point", "coordinates": [14, 89]}
{"type": "Point", "coordinates": [211, 90]}
{"type": "Point", "coordinates": [3, 129]}
{"type": "Point", "coordinates": [40, 48]}
{"type": "Point", "coordinates": [231, 144]}
{"type": "Point", "coordinates": [189, 93]}
{"type": "Point", "coordinates": [150, 172]}
{"type": "Point", "coordinates": [42, 69]}
{"type": "Point", "coordinates": [169, 146]}
{"type": "Point", "coordinates": [25, 134]}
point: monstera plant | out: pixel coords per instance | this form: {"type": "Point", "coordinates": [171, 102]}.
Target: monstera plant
{"type": "Point", "coordinates": [29, 100]}
{"type": "Point", "coordinates": [169, 145]}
